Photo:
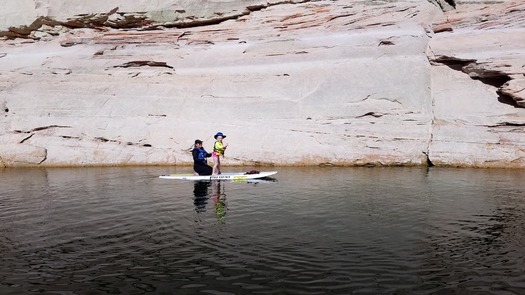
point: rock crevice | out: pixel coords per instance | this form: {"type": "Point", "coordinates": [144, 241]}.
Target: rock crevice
{"type": "Point", "coordinates": [117, 19]}
{"type": "Point", "coordinates": [485, 73]}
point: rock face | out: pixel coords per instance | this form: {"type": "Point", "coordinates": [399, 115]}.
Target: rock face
{"type": "Point", "coordinates": [477, 84]}
{"type": "Point", "coordinates": [289, 83]}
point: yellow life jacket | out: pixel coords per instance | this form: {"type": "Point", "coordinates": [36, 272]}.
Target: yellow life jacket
{"type": "Point", "coordinates": [219, 148]}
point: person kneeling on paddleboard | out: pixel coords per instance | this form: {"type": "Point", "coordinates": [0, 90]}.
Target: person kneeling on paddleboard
{"type": "Point", "coordinates": [200, 164]}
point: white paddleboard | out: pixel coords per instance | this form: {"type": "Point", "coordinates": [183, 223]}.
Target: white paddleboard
{"type": "Point", "coordinates": [224, 176]}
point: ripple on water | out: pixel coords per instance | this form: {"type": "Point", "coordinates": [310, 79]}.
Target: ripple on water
{"type": "Point", "coordinates": [314, 231]}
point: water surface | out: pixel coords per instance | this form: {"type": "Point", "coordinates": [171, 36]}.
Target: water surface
{"type": "Point", "coordinates": [311, 231]}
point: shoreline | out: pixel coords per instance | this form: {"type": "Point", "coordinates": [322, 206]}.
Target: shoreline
{"type": "Point", "coordinates": [266, 166]}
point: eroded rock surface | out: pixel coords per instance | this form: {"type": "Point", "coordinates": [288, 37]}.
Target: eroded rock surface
{"type": "Point", "coordinates": [290, 83]}
{"type": "Point", "coordinates": [478, 79]}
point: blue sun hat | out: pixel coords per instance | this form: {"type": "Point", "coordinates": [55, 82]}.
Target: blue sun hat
{"type": "Point", "coordinates": [219, 134]}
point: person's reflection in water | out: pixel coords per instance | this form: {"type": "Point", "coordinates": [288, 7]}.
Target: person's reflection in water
{"type": "Point", "coordinates": [219, 199]}
{"type": "Point", "coordinates": [200, 191]}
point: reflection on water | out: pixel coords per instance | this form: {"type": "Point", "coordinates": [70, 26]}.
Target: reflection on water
{"type": "Point", "coordinates": [200, 191]}
{"type": "Point", "coordinates": [315, 231]}
{"type": "Point", "coordinates": [219, 199]}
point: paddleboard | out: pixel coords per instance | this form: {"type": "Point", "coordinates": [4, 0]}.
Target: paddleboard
{"type": "Point", "coordinates": [224, 176]}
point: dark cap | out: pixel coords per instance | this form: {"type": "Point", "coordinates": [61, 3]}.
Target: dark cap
{"type": "Point", "coordinates": [198, 141]}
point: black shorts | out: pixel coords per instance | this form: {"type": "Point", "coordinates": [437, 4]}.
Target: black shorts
{"type": "Point", "coordinates": [203, 169]}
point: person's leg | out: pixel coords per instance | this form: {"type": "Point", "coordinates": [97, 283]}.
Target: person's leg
{"type": "Point", "coordinates": [215, 165]}
{"type": "Point", "coordinates": [202, 169]}
{"type": "Point", "coordinates": [219, 165]}
{"type": "Point", "coordinates": [198, 170]}
{"type": "Point", "coordinates": [207, 170]}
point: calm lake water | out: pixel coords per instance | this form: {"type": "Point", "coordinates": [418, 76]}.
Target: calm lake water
{"type": "Point", "coordinates": [310, 231]}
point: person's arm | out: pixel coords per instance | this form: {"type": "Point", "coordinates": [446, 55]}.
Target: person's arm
{"type": "Point", "coordinates": [195, 154]}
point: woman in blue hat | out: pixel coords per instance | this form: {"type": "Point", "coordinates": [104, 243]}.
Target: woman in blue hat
{"type": "Point", "coordinates": [218, 150]}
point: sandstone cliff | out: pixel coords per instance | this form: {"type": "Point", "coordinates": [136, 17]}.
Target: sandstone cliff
{"type": "Point", "coordinates": [289, 82]}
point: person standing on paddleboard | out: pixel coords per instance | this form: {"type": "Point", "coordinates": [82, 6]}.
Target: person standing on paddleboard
{"type": "Point", "coordinates": [200, 164]}
{"type": "Point", "coordinates": [218, 150]}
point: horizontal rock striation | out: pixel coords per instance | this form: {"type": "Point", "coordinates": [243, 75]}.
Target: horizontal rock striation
{"type": "Point", "coordinates": [289, 82]}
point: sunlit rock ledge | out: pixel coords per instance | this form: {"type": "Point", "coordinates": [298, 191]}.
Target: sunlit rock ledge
{"type": "Point", "coordinates": [290, 83]}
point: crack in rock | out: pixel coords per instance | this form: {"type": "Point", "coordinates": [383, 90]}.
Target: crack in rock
{"type": "Point", "coordinates": [103, 139]}
{"type": "Point", "coordinates": [143, 63]}
{"type": "Point", "coordinates": [429, 162]}
{"type": "Point", "coordinates": [45, 157]}
{"type": "Point", "coordinates": [129, 20]}
{"type": "Point", "coordinates": [373, 114]}
{"type": "Point", "coordinates": [386, 42]}
{"type": "Point", "coordinates": [42, 128]}
{"type": "Point", "coordinates": [514, 89]}
{"type": "Point", "coordinates": [504, 124]}
{"type": "Point", "coordinates": [28, 137]}
{"type": "Point", "coordinates": [444, 5]}
{"type": "Point", "coordinates": [61, 71]}
{"type": "Point", "coordinates": [481, 72]}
